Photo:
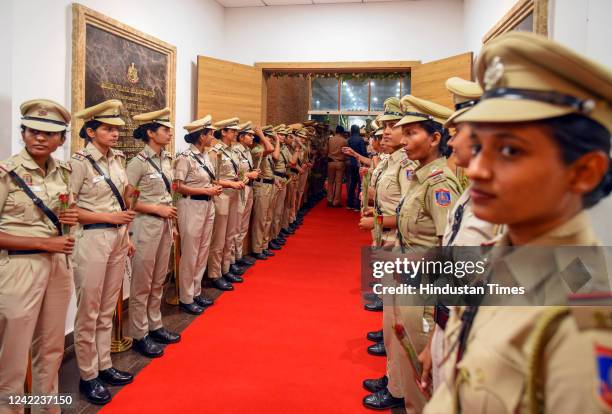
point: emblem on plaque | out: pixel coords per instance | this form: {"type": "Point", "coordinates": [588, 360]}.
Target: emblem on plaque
{"type": "Point", "coordinates": [132, 74]}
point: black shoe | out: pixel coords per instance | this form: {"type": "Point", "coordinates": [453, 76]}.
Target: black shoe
{"type": "Point", "coordinates": [203, 302]}
{"type": "Point", "coordinates": [222, 284]}
{"type": "Point", "coordinates": [376, 306]}
{"type": "Point", "coordinates": [164, 336]}
{"type": "Point", "coordinates": [113, 376]}
{"type": "Point", "coordinates": [280, 241]}
{"type": "Point", "coordinates": [246, 261]}
{"type": "Point", "coordinates": [147, 347]}
{"type": "Point", "coordinates": [272, 245]}
{"type": "Point", "coordinates": [375, 385]}
{"type": "Point", "coordinates": [371, 296]}
{"type": "Point", "coordinates": [237, 270]}
{"type": "Point", "coordinates": [260, 256]}
{"type": "Point", "coordinates": [95, 391]}
{"type": "Point", "coordinates": [230, 277]}
{"type": "Point", "coordinates": [190, 308]}
{"type": "Point", "coordinates": [382, 400]}
{"type": "Point", "coordinates": [378, 349]}
{"type": "Point", "coordinates": [287, 232]}
{"type": "Point", "coordinates": [269, 253]}
{"type": "Point", "coordinates": [375, 336]}
{"type": "Point", "coordinates": [293, 226]}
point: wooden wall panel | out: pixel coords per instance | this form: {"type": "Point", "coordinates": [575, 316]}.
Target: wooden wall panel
{"type": "Point", "coordinates": [227, 89]}
{"type": "Point", "coordinates": [287, 100]}
{"type": "Point", "coordinates": [429, 78]}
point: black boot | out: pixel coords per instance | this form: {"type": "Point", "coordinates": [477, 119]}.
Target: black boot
{"type": "Point", "coordinates": [95, 391]}
{"type": "Point", "coordinates": [147, 347]}
{"type": "Point", "coordinates": [164, 336]}
{"type": "Point", "coordinates": [260, 256]}
{"type": "Point", "coordinates": [269, 253]}
{"type": "Point", "coordinates": [190, 308]}
{"type": "Point", "coordinates": [378, 349]}
{"type": "Point", "coordinates": [222, 284]}
{"type": "Point", "coordinates": [237, 270]}
{"type": "Point", "coordinates": [273, 245]}
{"type": "Point", "coordinates": [376, 306]}
{"type": "Point", "coordinates": [230, 277]}
{"type": "Point", "coordinates": [246, 261]}
{"type": "Point", "coordinates": [375, 336]}
{"type": "Point", "coordinates": [280, 241]}
{"type": "Point", "coordinates": [203, 302]}
{"type": "Point", "coordinates": [113, 376]}
{"type": "Point", "coordinates": [375, 385]}
{"type": "Point", "coordinates": [382, 400]}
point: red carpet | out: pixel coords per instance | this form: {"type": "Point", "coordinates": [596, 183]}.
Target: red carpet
{"type": "Point", "coordinates": [291, 339]}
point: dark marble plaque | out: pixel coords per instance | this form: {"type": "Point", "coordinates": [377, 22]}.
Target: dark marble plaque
{"type": "Point", "coordinates": [118, 68]}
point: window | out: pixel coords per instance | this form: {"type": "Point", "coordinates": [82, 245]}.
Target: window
{"type": "Point", "coordinates": [324, 94]}
{"type": "Point", "coordinates": [358, 94]}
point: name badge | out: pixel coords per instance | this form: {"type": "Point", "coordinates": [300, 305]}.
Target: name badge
{"type": "Point", "coordinates": [97, 179]}
{"type": "Point", "coordinates": [36, 188]}
{"type": "Point", "coordinates": [155, 175]}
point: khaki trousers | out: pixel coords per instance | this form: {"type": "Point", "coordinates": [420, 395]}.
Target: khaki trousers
{"type": "Point", "coordinates": [99, 266]}
{"type": "Point", "coordinates": [335, 172]}
{"type": "Point", "coordinates": [270, 216]}
{"type": "Point", "coordinates": [152, 238]}
{"type": "Point", "coordinates": [35, 292]}
{"type": "Point", "coordinates": [262, 197]}
{"type": "Point", "coordinates": [300, 191]}
{"type": "Point", "coordinates": [245, 208]}
{"type": "Point", "coordinates": [289, 203]}
{"type": "Point", "coordinates": [195, 220]}
{"type": "Point", "coordinates": [224, 233]}
{"type": "Point", "coordinates": [402, 380]}
{"type": "Point", "coordinates": [279, 208]}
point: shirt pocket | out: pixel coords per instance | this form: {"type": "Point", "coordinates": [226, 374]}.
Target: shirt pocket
{"type": "Point", "coordinates": [16, 205]}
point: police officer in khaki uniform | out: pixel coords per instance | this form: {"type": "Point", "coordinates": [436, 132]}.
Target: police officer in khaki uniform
{"type": "Point", "coordinates": [195, 179]}
{"type": "Point", "coordinates": [249, 172]}
{"type": "Point", "coordinates": [335, 167]}
{"type": "Point", "coordinates": [542, 102]}
{"type": "Point", "coordinates": [98, 183]}
{"type": "Point", "coordinates": [150, 177]}
{"type": "Point", "coordinates": [35, 275]}
{"type": "Point", "coordinates": [292, 153]}
{"type": "Point", "coordinates": [227, 218]}
{"type": "Point", "coordinates": [263, 154]}
{"type": "Point", "coordinates": [281, 166]}
{"type": "Point", "coordinates": [303, 139]}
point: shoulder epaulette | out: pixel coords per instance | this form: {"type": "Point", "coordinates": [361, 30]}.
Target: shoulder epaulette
{"type": "Point", "coordinates": [404, 162]}
{"type": "Point", "coordinates": [65, 165]}
{"type": "Point", "coordinates": [6, 167]}
{"type": "Point", "coordinates": [592, 310]}
{"type": "Point", "coordinates": [218, 147]}
{"type": "Point", "coordinates": [79, 155]}
{"type": "Point", "coordinates": [119, 153]}
{"type": "Point", "coordinates": [142, 157]}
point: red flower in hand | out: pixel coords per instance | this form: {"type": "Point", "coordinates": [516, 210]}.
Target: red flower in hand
{"type": "Point", "coordinates": [64, 199]}
{"type": "Point", "coordinates": [379, 219]}
{"type": "Point", "coordinates": [399, 331]}
{"type": "Point", "coordinates": [136, 193]}
{"type": "Point", "coordinates": [174, 186]}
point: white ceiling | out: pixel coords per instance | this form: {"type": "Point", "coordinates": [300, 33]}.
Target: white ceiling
{"type": "Point", "coordinates": [263, 3]}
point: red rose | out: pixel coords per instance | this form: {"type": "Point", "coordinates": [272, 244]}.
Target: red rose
{"type": "Point", "coordinates": [399, 330]}
{"type": "Point", "coordinates": [64, 199]}
{"type": "Point", "coordinates": [174, 186]}
{"type": "Point", "coordinates": [379, 219]}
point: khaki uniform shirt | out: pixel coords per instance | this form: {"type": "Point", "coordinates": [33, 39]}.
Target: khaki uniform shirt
{"type": "Point", "coordinates": [495, 367]}
{"type": "Point", "coordinates": [282, 164]}
{"type": "Point", "coordinates": [387, 183]}
{"type": "Point", "coordinates": [266, 164]}
{"type": "Point", "coordinates": [469, 229]}
{"type": "Point", "coordinates": [225, 160]}
{"type": "Point", "coordinates": [335, 147]}
{"type": "Point", "coordinates": [19, 215]}
{"type": "Point", "coordinates": [143, 176]}
{"type": "Point", "coordinates": [188, 170]}
{"type": "Point", "coordinates": [430, 193]}
{"type": "Point", "coordinates": [90, 189]}
{"type": "Point", "coordinates": [245, 159]}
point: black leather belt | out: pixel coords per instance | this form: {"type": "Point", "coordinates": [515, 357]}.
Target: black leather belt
{"type": "Point", "coordinates": [278, 174]}
{"type": "Point", "coordinates": [295, 170]}
{"type": "Point", "coordinates": [441, 314]}
{"type": "Point", "coordinates": [95, 226]}
{"type": "Point", "coordinates": [24, 252]}
{"type": "Point", "coordinates": [266, 180]}
{"type": "Point", "coordinates": [200, 197]}
{"type": "Point", "coordinates": [250, 183]}
{"type": "Point", "coordinates": [387, 229]}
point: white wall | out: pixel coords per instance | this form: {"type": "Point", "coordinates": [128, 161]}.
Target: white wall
{"type": "Point", "coordinates": [42, 55]}
{"type": "Point", "coordinates": [410, 30]}
{"type": "Point", "coordinates": [6, 46]}
{"type": "Point", "coordinates": [479, 16]}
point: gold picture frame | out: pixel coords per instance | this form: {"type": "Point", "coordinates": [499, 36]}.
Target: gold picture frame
{"type": "Point", "coordinates": [84, 19]}
{"type": "Point", "coordinates": [523, 10]}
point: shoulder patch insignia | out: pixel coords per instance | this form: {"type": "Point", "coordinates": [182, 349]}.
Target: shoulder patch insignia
{"type": "Point", "coordinates": [65, 165]}
{"type": "Point", "coordinates": [409, 174]}
{"type": "Point", "coordinates": [404, 162]}
{"type": "Point", "coordinates": [442, 196]}
{"type": "Point", "coordinates": [435, 172]}
{"type": "Point", "coordinates": [79, 155]}
{"type": "Point", "coordinates": [603, 356]}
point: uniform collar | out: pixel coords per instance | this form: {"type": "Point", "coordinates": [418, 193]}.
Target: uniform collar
{"type": "Point", "coordinates": [151, 154]}
{"type": "Point", "coordinates": [194, 149]}
{"type": "Point", "coordinates": [398, 155]}
{"type": "Point", "coordinates": [423, 172]}
{"type": "Point", "coordinates": [28, 162]}
{"type": "Point", "coordinates": [240, 147]}
{"type": "Point", "coordinates": [96, 155]}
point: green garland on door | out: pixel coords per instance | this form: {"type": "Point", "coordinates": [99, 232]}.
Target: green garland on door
{"type": "Point", "coordinates": [339, 75]}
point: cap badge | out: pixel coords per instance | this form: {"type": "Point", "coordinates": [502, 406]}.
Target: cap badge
{"type": "Point", "coordinates": [494, 73]}
{"type": "Point", "coordinates": [42, 112]}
